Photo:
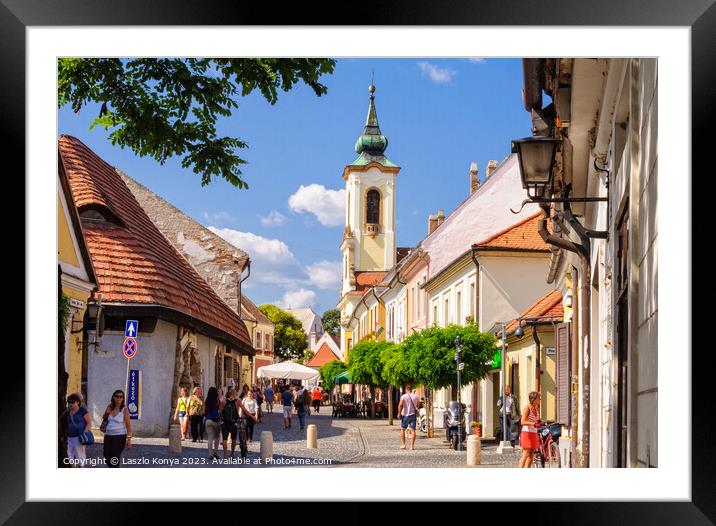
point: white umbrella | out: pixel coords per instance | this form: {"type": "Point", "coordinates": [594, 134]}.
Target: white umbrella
{"type": "Point", "coordinates": [287, 370]}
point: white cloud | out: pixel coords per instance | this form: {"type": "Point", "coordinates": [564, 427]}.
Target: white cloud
{"type": "Point", "coordinates": [218, 217]}
{"type": "Point", "coordinates": [274, 218]}
{"type": "Point", "coordinates": [477, 60]}
{"type": "Point", "coordinates": [259, 248]}
{"type": "Point", "coordinates": [325, 274]}
{"type": "Point", "coordinates": [436, 74]}
{"type": "Point", "coordinates": [296, 299]}
{"type": "Point", "coordinates": [329, 206]}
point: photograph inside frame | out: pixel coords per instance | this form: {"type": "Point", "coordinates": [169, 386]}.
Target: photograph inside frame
{"type": "Point", "coordinates": [357, 262]}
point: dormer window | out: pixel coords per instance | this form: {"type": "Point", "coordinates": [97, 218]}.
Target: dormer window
{"type": "Point", "coordinates": [93, 214]}
{"type": "Point", "coordinates": [97, 212]}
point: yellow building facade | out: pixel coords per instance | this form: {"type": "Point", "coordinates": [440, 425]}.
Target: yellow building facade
{"type": "Point", "coordinates": [78, 281]}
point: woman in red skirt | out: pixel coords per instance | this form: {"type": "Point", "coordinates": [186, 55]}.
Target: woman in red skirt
{"type": "Point", "coordinates": [528, 436]}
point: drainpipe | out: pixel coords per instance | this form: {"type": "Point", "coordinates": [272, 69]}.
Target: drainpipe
{"type": "Point", "coordinates": [535, 338]}
{"type": "Point", "coordinates": [583, 251]}
{"type": "Point", "coordinates": [475, 387]}
{"type": "Point", "coordinates": [238, 307]}
{"type": "Point", "coordinates": [247, 266]}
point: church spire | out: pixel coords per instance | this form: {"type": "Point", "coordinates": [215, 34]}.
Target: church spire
{"type": "Point", "coordinates": [371, 141]}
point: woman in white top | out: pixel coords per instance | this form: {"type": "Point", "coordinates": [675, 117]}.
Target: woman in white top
{"type": "Point", "coordinates": [118, 433]}
{"type": "Point", "coordinates": [251, 407]}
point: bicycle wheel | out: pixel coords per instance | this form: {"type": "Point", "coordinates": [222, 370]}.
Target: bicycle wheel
{"type": "Point", "coordinates": [537, 459]}
{"type": "Point", "coordinates": [553, 455]}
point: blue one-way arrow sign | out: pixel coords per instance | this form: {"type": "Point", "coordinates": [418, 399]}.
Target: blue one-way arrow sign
{"type": "Point", "coordinates": [131, 328]}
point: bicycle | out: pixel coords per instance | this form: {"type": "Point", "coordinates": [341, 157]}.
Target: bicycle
{"type": "Point", "coordinates": [547, 450]}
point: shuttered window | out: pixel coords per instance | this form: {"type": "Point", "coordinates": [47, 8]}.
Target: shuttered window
{"type": "Point", "coordinates": [562, 388]}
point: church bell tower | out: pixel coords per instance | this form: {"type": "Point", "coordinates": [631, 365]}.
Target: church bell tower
{"type": "Point", "coordinates": [368, 243]}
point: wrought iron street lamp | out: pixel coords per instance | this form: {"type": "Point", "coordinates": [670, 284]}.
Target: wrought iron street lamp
{"type": "Point", "coordinates": [536, 157]}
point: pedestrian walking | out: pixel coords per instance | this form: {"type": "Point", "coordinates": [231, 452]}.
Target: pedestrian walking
{"type": "Point", "coordinates": [78, 422]}
{"type": "Point", "coordinates": [268, 394]}
{"type": "Point", "coordinates": [528, 437]}
{"type": "Point", "coordinates": [287, 402]}
{"type": "Point", "coordinates": [511, 408]}
{"type": "Point", "coordinates": [180, 413]}
{"type": "Point", "coordinates": [407, 409]}
{"type": "Point", "coordinates": [118, 433]}
{"type": "Point", "coordinates": [213, 421]}
{"type": "Point", "coordinates": [230, 423]}
{"type": "Point", "coordinates": [259, 397]}
{"type": "Point", "coordinates": [317, 395]}
{"type": "Point", "coordinates": [251, 411]}
{"type": "Point", "coordinates": [299, 403]}
{"type": "Point", "coordinates": [195, 409]}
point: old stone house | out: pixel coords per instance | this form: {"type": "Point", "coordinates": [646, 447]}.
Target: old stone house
{"type": "Point", "coordinates": [187, 335]}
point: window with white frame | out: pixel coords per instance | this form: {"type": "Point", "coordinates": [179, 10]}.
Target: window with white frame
{"type": "Point", "coordinates": [458, 308]}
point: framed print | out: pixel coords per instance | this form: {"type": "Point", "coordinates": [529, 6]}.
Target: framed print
{"type": "Point", "coordinates": [185, 240]}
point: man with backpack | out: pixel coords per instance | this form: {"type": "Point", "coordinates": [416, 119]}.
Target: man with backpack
{"type": "Point", "coordinates": [230, 423]}
{"type": "Point", "coordinates": [298, 403]}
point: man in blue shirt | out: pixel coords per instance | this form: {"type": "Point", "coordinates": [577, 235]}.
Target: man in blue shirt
{"type": "Point", "coordinates": [268, 394]}
{"type": "Point", "coordinates": [287, 402]}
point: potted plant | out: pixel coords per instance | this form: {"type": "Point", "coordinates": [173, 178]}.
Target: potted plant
{"type": "Point", "coordinates": [476, 428]}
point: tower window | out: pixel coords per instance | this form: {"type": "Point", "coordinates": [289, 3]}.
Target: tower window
{"type": "Point", "coordinates": [373, 207]}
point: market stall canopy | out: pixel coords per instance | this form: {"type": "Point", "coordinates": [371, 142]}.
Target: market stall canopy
{"type": "Point", "coordinates": [343, 378]}
{"type": "Point", "coordinates": [287, 371]}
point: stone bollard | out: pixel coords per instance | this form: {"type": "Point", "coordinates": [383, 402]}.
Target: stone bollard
{"type": "Point", "coordinates": [312, 437]}
{"type": "Point", "coordinates": [266, 451]}
{"type": "Point", "coordinates": [474, 445]}
{"type": "Point", "coordinates": [175, 439]}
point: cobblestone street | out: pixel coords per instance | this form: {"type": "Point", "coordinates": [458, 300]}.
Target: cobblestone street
{"type": "Point", "coordinates": [355, 443]}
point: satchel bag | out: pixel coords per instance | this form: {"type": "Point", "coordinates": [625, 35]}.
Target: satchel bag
{"type": "Point", "coordinates": [86, 437]}
{"type": "Point", "coordinates": [105, 421]}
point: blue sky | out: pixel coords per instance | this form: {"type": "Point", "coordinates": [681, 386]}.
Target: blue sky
{"type": "Point", "coordinates": [439, 115]}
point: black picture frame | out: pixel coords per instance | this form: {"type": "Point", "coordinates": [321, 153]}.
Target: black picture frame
{"type": "Point", "coordinates": [699, 15]}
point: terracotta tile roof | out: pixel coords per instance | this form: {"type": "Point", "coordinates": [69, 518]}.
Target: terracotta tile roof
{"type": "Point", "coordinates": [365, 280]}
{"type": "Point", "coordinates": [324, 355]}
{"type": "Point", "coordinates": [548, 305]}
{"type": "Point", "coordinates": [250, 307]}
{"type": "Point", "coordinates": [520, 236]}
{"type": "Point", "coordinates": [134, 262]}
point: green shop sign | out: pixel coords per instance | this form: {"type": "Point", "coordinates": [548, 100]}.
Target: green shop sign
{"type": "Point", "coordinates": [496, 362]}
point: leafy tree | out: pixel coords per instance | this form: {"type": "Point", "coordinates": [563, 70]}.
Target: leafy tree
{"type": "Point", "coordinates": [290, 340]}
{"type": "Point", "coordinates": [163, 107]}
{"type": "Point", "coordinates": [329, 371]}
{"type": "Point", "coordinates": [366, 366]}
{"type": "Point", "coordinates": [331, 321]}
{"type": "Point", "coordinates": [430, 356]}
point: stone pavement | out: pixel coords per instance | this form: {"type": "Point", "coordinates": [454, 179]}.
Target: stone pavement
{"type": "Point", "coordinates": [350, 442]}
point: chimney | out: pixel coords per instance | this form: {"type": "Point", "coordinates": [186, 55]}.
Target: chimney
{"type": "Point", "coordinates": [474, 180]}
{"type": "Point", "coordinates": [491, 167]}
{"type": "Point", "coordinates": [432, 223]}
{"type": "Point", "coordinates": [441, 217]}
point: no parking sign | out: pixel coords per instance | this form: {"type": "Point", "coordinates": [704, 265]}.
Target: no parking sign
{"type": "Point", "coordinates": [130, 348]}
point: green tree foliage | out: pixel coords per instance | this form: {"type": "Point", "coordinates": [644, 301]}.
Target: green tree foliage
{"type": "Point", "coordinates": [306, 357]}
{"type": "Point", "coordinates": [365, 363]}
{"type": "Point", "coordinates": [329, 371]}
{"type": "Point", "coordinates": [394, 365]}
{"type": "Point", "coordinates": [290, 340]}
{"type": "Point", "coordinates": [163, 107]}
{"type": "Point", "coordinates": [331, 321]}
{"type": "Point", "coordinates": [430, 355]}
